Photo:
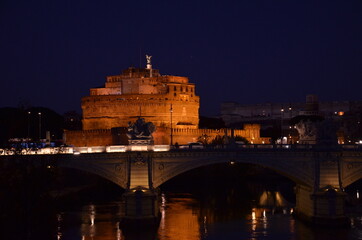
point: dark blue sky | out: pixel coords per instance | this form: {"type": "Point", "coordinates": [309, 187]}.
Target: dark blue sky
{"type": "Point", "coordinates": [52, 52]}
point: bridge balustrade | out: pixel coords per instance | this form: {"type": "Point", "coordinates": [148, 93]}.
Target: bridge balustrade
{"type": "Point", "coordinates": [162, 148]}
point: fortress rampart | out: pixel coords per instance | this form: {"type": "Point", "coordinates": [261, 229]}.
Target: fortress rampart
{"type": "Point", "coordinates": [162, 135]}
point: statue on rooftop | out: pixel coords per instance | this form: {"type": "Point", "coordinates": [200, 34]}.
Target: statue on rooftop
{"type": "Point", "coordinates": [148, 58]}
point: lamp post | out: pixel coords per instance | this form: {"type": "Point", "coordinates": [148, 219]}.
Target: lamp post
{"type": "Point", "coordinates": [290, 131]}
{"type": "Point", "coordinates": [28, 125]}
{"type": "Point", "coordinates": [171, 110]}
{"type": "Point", "coordinates": [281, 125]}
{"type": "Point", "coordinates": [39, 113]}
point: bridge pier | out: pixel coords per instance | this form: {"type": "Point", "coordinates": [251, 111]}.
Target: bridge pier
{"type": "Point", "coordinates": [141, 207]}
{"type": "Point", "coordinates": [325, 207]}
{"type": "Point", "coordinates": [141, 199]}
{"type": "Point", "coordinates": [323, 203]}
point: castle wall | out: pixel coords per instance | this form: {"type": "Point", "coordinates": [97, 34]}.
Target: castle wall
{"type": "Point", "coordinates": [105, 112]}
{"type": "Point", "coordinates": [105, 91]}
{"type": "Point", "coordinates": [251, 132]}
{"type": "Point", "coordinates": [162, 136]}
{"type": "Point", "coordinates": [113, 85]}
{"type": "Point", "coordinates": [176, 79]}
{"type": "Point", "coordinates": [99, 137]}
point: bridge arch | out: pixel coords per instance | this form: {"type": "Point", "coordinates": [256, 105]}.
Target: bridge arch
{"type": "Point", "coordinates": [168, 167]}
{"type": "Point", "coordinates": [101, 173]}
{"type": "Point", "coordinates": [351, 179]}
{"type": "Point", "coordinates": [112, 167]}
{"type": "Point", "coordinates": [351, 173]}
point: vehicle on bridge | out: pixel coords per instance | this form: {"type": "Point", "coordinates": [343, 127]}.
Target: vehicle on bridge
{"type": "Point", "coordinates": [192, 145]}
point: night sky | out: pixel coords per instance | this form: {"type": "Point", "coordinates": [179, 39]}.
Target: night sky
{"type": "Point", "coordinates": [52, 52]}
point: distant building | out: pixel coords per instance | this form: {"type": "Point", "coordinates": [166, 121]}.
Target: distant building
{"type": "Point", "coordinates": [169, 102]}
{"type": "Point", "coordinates": [232, 112]}
{"type": "Point", "coordinates": [270, 115]}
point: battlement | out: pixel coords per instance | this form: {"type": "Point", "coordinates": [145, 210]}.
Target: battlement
{"type": "Point", "coordinates": [104, 137]}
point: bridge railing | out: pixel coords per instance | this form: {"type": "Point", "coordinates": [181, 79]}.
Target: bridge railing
{"type": "Point", "coordinates": [281, 147]}
{"type": "Point", "coordinates": [299, 146]}
{"type": "Point", "coordinates": [162, 148]}
{"type": "Point", "coordinates": [82, 150]}
{"type": "Point", "coordinates": [35, 151]}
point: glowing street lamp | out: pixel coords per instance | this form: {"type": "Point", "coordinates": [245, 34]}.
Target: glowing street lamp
{"type": "Point", "coordinates": [290, 117]}
{"type": "Point", "coordinates": [39, 113]}
{"type": "Point", "coordinates": [29, 124]}
{"type": "Point", "coordinates": [281, 125]}
{"type": "Point", "coordinates": [171, 136]}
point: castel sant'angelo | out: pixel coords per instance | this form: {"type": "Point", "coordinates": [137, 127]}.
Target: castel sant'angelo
{"type": "Point", "coordinates": [169, 102]}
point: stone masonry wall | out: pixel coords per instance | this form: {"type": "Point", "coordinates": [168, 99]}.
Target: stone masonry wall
{"type": "Point", "coordinates": [161, 136]}
{"type": "Point", "coordinates": [85, 138]}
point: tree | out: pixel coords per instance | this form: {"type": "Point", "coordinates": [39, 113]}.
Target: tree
{"type": "Point", "coordinates": [204, 139]}
{"type": "Point", "coordinates": [218, 140]}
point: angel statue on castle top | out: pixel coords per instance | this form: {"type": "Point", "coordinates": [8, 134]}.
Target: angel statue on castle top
{"type": "Point", "coordinates": [148, 58]}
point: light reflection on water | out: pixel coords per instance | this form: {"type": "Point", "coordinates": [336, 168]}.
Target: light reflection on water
{"type": "Point", "coordinates": [184, 217]}
{"type": "Point", "coordinates": [180, 220]}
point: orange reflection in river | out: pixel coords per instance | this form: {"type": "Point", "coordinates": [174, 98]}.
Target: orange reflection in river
{"type": "Point", "coordinates": [180, 221]}
{"type": "Point", "coordinates": [259, 221]}
{"type": "Point", "coordinates": [182, 218]}
{"type": "Point", "coordinates": [94, 227]}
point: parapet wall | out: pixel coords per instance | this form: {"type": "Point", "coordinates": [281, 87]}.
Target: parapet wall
{"type": "Point", "coordinates": [251, 132]}
{"type": "Point", "coordinates": [161, 136]}
{"type": "Point", "coordinates": [85, 138]}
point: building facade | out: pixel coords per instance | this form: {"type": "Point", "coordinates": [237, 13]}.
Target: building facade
{"type": "Point", "coordinates": [347, 116]}
{"type": "Point", "coordinates": [162, 100]}
{"type": "Point", "coordinates": [232, 112]}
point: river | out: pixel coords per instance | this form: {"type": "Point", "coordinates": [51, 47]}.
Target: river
{"type": "Point", "coordinates": [184, 217]}
{"type": "Point", "coordinates": [192, 208]}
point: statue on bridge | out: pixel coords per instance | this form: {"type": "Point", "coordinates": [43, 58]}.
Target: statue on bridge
{"type": "Point", "coordinates": [320, 131]}
{"type": "Point", "coordinates": [140, 132]}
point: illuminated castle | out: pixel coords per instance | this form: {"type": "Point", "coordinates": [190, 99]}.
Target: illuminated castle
{"type": "Point", "coordinates": [169, 102]}
{"type": "Point", "coordinates": [142, 92]}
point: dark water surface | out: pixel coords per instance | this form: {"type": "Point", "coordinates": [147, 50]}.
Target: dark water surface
{"type": "Point", "coordinates": [184, 217]}
{"type": "Point", "coordinates": [193, 207]}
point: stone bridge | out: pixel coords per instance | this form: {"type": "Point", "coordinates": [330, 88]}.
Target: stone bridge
{"type": "Point", "coordinates": [315, 169]}
{"type": "Point", "coordinates": [320, 174]}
